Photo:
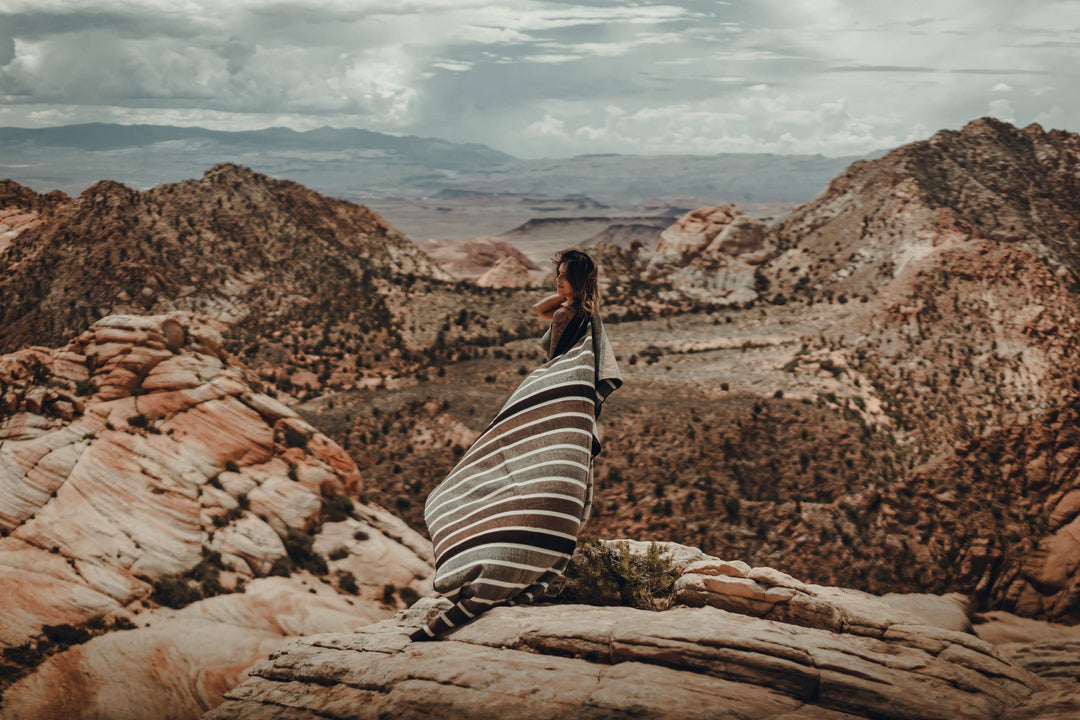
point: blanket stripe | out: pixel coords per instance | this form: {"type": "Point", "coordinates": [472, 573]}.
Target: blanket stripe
{"type": "Point", "coordinates": [505, 521]}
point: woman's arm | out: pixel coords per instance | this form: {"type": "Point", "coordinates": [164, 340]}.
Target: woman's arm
{"type": "Point", "coordinates": [560, 319]}
{"type": "Point", "coordinates": [546, 308]}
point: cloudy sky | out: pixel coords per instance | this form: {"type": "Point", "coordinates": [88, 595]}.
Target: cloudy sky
{"type": "Point", "coordinates": [550, 77]}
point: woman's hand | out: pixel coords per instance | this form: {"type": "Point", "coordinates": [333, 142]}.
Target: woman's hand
{"type": "Point", "coordinates": [546, 308]}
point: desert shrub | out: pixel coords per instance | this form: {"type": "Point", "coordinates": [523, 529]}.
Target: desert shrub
{"type": "Point", "coordinates": [337, 508]}
{"type": "Point", "coordinates": [122, 623]}
{"type": "Point", "coordinates": [338, 553]}
{"type": "Point", "coordinates": [24, 655]}
{"type": "Point", "coordinates": [138, 421]}
{"type": "Point", "coordinates": [282, 567]}
{"type": "Point", "coordinates": [360, 535]}
{"type": "Point", "coordinates": [604, 573]}
{"type": "Point", "coordinates": [347, 582]}
{"type": "Point", "coordinates": [208, 573]}
{"type": "Point", "coordinates": [388, 592]}
{"type": "Point", "coordinates": [175, 592]}
{"type": "Point", "coordinates": [65, 634]}
{"type": "Point", "coordinates": [408, 596]}
{"type": "Point", "coordinates": [299, 546]}
{"type": "Point", "coordinates": [85, 387]}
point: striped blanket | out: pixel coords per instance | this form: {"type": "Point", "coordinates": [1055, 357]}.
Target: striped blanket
{"type": "Point", "coordinates": [505, 521]}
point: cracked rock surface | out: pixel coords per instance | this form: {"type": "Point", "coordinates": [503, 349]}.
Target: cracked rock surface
{"type": "Point", "coordinates": [849, 655]}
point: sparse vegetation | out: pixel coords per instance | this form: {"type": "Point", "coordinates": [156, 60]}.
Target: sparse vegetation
{"type": "Point", "coordinates": [606, 573]}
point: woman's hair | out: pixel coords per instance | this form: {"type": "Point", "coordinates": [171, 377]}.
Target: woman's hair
{"type": "Point", "coordinates": [581, 274]}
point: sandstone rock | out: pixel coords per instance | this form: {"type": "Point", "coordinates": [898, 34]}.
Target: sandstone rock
{"type": "Point", "coordinates": [253, 541]}
{"type": "Point", "coordinates": [172, 458]}
{"type": "Point", "coordinates": [591, 662]}
{"type": "Point", "coordinates": [506, 272]}
{"type": "Point", "coordinates": [473, 259]}
{"type": "Point", "coordinates": [712, 254]}
{"type": "Point", "coordinates": [950, 611]}
{"type": "Point", "coordinates": [1047, 649]}
{"type": "Point", "coordinates": [180, 663]}
{"type": "Point", "coordinates": [693, 232]}
{"type": "Point", "coordinates": [769, 593]}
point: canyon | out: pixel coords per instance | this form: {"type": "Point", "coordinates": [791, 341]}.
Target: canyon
{"type": "Point", "coordinates": [225, 399]}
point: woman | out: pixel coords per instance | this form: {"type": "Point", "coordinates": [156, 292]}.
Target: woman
{"type": "Point", "coordinates": [572, 305]}
{"type": "Point", "coordinates": [505, 520]}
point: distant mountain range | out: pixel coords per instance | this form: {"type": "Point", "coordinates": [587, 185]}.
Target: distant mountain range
{"type": "Point", "coordinates": [362, 165]}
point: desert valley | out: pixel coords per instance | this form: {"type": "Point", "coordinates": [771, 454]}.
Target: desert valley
{"type": "Point", "coordinates": [842, 479]}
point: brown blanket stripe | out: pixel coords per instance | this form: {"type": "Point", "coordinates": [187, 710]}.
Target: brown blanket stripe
{"type": "Point", "coordinates": [505, 521]}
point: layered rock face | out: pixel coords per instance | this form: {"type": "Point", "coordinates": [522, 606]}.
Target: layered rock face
{"type": "Point", "coordinates": [477, 258]}
{"type": "Point", "coordinates": [778, 648]}
{"type": "Point", "coordinates": [141, 467]}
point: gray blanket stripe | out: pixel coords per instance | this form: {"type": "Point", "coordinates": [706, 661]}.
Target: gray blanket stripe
{"type": "Point", "coordinates": [506, 519]}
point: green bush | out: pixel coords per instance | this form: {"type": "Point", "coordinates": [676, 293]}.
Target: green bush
{"type": "Point", "coordinates": [602, 573]}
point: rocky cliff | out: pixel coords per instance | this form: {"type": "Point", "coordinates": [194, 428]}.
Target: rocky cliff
{"type": "Point", "coordinates": [163, 524]}
{"type": "Point", "coordinates": [957, 257]}
{"type": "Point", "coordinates": [743, 643]}
{"type": "Point", "coordinates": [22, 209]}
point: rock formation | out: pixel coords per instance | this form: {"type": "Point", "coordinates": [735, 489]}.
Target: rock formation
{"type": "Point", "coordinates": [22, 209]}
{"type": "Point", "coordinates": [472, 259]}
{"type": "Point", "coordinates": [711, 255]}
{"type": "Point", "coordinates": [778, 648]}
{"type": "Point", "coordinates": [507, 272]}
{"type": "Point", "coordinates": [959, 256]}
{"type": "Point", "coordinates": [234, 245]}
{"type": "Point", "coordinates": [142, 469]}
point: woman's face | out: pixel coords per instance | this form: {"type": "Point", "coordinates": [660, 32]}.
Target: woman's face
{"type": "Point", "coordinates": [562, 285]}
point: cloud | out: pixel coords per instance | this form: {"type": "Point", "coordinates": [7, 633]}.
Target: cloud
{"type": "Point", "coordinates": [1002, 109]}
{"type": "Point", "coordinates": [543, 77]}
{"type": "Point", "coordinates": [761, 120]}
{"type": "Point", "coordinates": [453, 65]}
{"type": "Point", "coordinates": [548, 127]}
